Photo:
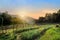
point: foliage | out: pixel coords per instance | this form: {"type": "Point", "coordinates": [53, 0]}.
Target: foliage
{"type": "Point", "coordinates": [51, 34]}
{"type": "Point", "coordinates": [50, 18]}
{"type": "Point", "coordinates": [7, 19]}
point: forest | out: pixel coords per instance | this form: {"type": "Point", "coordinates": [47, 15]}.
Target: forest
{"type": "Point", "coordinates": [50, 18]}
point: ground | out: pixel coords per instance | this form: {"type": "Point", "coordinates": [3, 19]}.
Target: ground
{"type": "Point", "coordinates": [32, 32]}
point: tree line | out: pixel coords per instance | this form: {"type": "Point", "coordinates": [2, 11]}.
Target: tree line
{"type": "Point", "coordinates": [50, 18]}
{"type": "Point", "coordinates": [7, 19]}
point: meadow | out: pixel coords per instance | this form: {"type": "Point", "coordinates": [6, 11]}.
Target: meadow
{"type": "Point", "coordinates": [32, 32]}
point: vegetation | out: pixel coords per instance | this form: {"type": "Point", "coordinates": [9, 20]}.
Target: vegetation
{"type": "Point", "coordinates": [50, 18]}
{"type": "Point", "coordinates": [51, 34]}
{"type": "Point", "coordinates": [45, 28]}
{"type": "Point", "coordinates": [25, 33]}
{"type": "Point", "coordinates": [7, 19]}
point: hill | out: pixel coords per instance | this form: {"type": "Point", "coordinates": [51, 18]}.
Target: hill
{"type": "Point", "coordinates": [51, 34]}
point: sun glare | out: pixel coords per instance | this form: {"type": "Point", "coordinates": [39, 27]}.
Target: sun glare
{"type": "Point", "coordinates": [22, 14]}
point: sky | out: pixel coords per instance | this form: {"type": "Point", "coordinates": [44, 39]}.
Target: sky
{"type": "Point", "coordinates": [32, 8]}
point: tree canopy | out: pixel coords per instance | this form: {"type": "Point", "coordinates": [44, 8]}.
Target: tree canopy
{"type": "Point", "coordinates": [7, 19]}
{"type": "Point", "coordinates": [50, 18]}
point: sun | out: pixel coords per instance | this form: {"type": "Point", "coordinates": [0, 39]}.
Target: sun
{"type": "Point", "coordinates": [22, 14]}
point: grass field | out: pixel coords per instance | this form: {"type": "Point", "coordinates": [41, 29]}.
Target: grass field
{"type": "Point", "coordinates": [35, 32]}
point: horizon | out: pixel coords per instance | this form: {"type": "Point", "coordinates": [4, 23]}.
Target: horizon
{"type": "Point", "coordinates": [31, 8]}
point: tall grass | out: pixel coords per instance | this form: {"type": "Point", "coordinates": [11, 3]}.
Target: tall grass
{"type": "Point", "coordinates": [51, 34]}
{"type": "Point", "coordinates": [25, 33]}
{"type": "Point", "coordinates": [31, 35]}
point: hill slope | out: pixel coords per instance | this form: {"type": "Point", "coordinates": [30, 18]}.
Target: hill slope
{"type": "Point", "coordinates": [51, 34]}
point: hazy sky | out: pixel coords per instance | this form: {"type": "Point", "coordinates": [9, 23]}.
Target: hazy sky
{"type": "Point", "coordinates": [32, 8]}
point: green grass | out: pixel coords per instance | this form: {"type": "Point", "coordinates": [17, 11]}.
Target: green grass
{"type": "Point", "coordinates": [12, 36]}
{"type": "Point", "coordinates": [51, 34]}
{"type": "Point", "coordinates": [32, 33]}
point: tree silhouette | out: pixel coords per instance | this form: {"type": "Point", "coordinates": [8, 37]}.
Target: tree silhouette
{"type": "Point", "coordinates": [50, 18]}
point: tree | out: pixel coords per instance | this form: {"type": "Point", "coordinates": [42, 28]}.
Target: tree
{"type": "Point", "coordinates": [9, 19]}
{"type": "Point", "coordinates": [50, 18]}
